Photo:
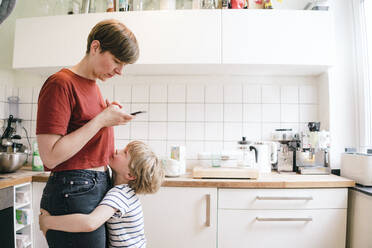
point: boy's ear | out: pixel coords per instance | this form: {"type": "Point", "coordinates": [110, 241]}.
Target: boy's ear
{"type": "Point", "coordinates": [130, 177]}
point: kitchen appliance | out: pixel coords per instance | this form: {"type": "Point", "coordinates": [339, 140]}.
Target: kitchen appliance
{"type": "Point", "coordinates": [13, 154]}
{"type": "Point", "coordinates": [6, 217]}
{"type": "Point", "coordinates": [178, 152]}
{"type": "Point", "coordinates": [312, 155]}
{"type": "Point", "coordinates": [358, 167]}
{"type": "Point", "coordinates": [172, 167]}
{"type": "Point", "coordinates": [287, 145]}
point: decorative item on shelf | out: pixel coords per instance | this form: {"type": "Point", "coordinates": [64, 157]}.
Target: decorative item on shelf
{"type": "Point", "coordinates": [123, 5]}
{"type": "Point", "coordinates": [268, 4]}
{"type": "Point", "coordinates": [239, 4]}
{"type": "Point", "coordinates": [110, 6]}
{"type": "Point", "coordinates": [73, 7]}
{"type": "Point", "coordinates": [85, 6]}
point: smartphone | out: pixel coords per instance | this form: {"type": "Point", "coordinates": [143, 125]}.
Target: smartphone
{"type": "Point", "coordinates": [138, 112]}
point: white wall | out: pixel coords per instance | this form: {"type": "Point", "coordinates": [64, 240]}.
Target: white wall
{"type": "Point", "coordinates": [342, 81]}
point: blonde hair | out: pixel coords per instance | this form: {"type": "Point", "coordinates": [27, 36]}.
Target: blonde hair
{"type": "Point", "coordinates": [116, 38]}
{"type": "Point", "coordinates": [146, 167]}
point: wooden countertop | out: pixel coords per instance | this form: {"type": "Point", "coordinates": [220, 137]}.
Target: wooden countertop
{"type": "Point", "coordinates": [269, 180]}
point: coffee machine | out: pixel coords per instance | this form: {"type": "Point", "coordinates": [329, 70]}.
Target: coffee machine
{"type": "Point", "coordinates": [10, 140]}
{"type": "Point", "coordinates": [312, 154]}
{"type": "Point", "coordinates": [288, 142]}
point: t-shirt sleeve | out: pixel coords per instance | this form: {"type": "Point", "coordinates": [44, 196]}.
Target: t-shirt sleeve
{"type": "Point", "coordinates": [54, 109]}
{"type": "Point", "coordinates": [117, 199]}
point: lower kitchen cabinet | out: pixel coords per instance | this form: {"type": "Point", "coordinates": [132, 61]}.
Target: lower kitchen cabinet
{"type": "Point", "coordinates": [359, 220]}
{"type": "Point", "coordinates": [181, 217]}
{"type": "Point", "coordinates": [305, 218]}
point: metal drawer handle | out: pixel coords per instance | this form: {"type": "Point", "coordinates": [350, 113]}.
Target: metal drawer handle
{"type": "Point", "coordinates": [208, 210]}
{"type": "Point", "coordinates": [306, 198]}
{"type": "Point", "coordinates": [284, 219]}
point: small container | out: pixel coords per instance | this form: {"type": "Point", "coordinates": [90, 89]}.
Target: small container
{"type": "Point", "coordinates": [22, 196]}
{"type": "Point", "coordinates": [23, 216]}
{"type": "Point", "coordinates": [37, 163]}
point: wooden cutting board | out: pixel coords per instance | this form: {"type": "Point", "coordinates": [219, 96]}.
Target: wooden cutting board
{"type": "Point", "coordinates": [225, 172]}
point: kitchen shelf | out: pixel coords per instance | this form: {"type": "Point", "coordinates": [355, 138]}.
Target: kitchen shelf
{"type": "Point", "coordinates": [21, 205]}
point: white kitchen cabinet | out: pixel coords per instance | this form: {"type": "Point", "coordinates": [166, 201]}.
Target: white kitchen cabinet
{"type": "Point", "coordinates": [251, 42]}
{"type": "Point", "coordinates": [181, 217]}
{"type": "Point", "coordinates": [23, 212]}
{"type": "Point", "coordinates": [277, 37]}
{"type": "Point", "coordinates": [359, 220]}
{"type": "Point", "coordinates": [164, 37]}
{"type": "Point", "coordinates": [282, 218]}
{"type": "Point", "coordinates": [39, 240]}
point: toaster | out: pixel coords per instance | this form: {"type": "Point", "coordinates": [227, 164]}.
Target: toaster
{"type": "Point", "coordinates": [358, 167]}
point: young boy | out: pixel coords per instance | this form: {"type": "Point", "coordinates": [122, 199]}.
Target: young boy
{"type": "Point", "coordinates": [136, 169]}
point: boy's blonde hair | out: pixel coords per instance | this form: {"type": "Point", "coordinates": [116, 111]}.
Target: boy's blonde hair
{"type": "Point", "coordinates": [146, 167]}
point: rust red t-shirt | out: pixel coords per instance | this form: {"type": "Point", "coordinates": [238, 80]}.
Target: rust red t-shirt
{"type": "Point", "coordinates": [67, 102]}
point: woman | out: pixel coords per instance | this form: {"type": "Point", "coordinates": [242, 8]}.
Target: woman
{"type": "Point", "coordinates": [75, 130]}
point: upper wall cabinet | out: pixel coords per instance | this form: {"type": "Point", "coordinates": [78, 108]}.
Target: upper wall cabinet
{"type": "Point", "coordinates": [179, 42]}
{"type": "Point", "coordinates": [164, 37]}
{"type": "Point", "coordinates": [277, 37]}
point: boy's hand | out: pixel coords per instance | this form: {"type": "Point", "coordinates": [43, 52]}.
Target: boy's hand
{"type": "Point", "coordinates": [42, 216]}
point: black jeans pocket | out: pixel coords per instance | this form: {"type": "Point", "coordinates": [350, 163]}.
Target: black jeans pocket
{"type": "Point", "coordinates": [79, 187]}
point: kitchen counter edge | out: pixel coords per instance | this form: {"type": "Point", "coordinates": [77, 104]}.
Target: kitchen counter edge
{"type": "Point", "coordinates": [269, 180]}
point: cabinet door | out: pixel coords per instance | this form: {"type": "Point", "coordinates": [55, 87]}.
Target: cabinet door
{"type": "Point", "coordinates": [164, 37]}
{"type": "Point", "coordinates": [323, 228]}
{"type": "Point", "coordinates": [276, 37]}
{"type": "Point", "coordinates": [359, 220]}
{"type": "Point", "coordinates": [39, 240]}
{"type": "Point", "coordinates": [178, 217]}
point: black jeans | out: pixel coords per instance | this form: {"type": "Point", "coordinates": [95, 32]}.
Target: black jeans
{"type": "Point", "coordinates": [75, 191]}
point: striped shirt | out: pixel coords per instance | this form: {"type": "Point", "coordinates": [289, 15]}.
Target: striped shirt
{"type": "Point", "coordinates": [125, 227]}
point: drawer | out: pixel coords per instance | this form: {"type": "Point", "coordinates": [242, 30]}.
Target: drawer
{"type": "Point", "coordinates": [282, 198]}
{"type": "Point", "coordinates": [321, 228]}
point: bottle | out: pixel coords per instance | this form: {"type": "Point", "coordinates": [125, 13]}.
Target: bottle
{"type": "Point", "coordinates": [37, 163]}
{"type": "Point", "coordinates": [110, 6]}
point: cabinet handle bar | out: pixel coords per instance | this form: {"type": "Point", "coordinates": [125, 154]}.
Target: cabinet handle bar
{"type": "Point", "coordinates": [284, 219]}
{"type": "Point", "coordinates": [307, 198]}
{"type": "Point", "coordinates": [208, 210]}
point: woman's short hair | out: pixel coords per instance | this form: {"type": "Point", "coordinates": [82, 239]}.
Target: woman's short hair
{"type": "Point", "coordinates": [146, 167]}
{"type": "Point", "coordinates": [116, 38]}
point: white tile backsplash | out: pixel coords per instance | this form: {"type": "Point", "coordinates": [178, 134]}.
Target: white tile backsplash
{"type": "Point", "coordinates": [177, 93]}
{"type": "Point", "coordinates": [176, 131]}
{"type": "Point", "coordinates": [289, 113]}
{"type": "Point", "coordinates": [123, 93]}
{"type": "Point", "coordinates": [232, 93]}
{"type": "Point", "coordinates": [252, 112]}
{"type": "Point", "coordinates": [214, 94]}
{"type": "Point", "coordinates": [252, 93]}
{"type": "Point", "coordinates": [195, 93]}
{"type": "Point", "coordinates": [158, 130]}
{"type": "Point", "coordinates": [140, 93]}
{"type": "Point", "coordinates": [194, 112]}
{"type": "Point", "coordinates": [308, 112]}
{"type": "Point", "coordinates": [158, 112]}
{"type": "Point", "coordinates": [233, 112]}
{"type": "Point", "coordinates": [202, 114]}
{"type": "Point", "coordinates": [271, 112]}
{"type": "Point", "coordinates": [213, 112]}
{"type": "Point", "coordinates": [308, 94]}
{"type": "Point", "coordinates": [158, 93]}
{"type": "Point", "coordinates": [25, 95]}
{"type": "Point", "coordinates": [139, 130]}
{"type": "Point", "coordinates": [270, 94]}
{"type": "Point", "coordinates": [176, 112]}
{"type": "Point", "coordinates": [289, 94]}
{"type": "Point", "coordinates": [194, 130]}
{"type": "Point", "coordinates": [213, 131]}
